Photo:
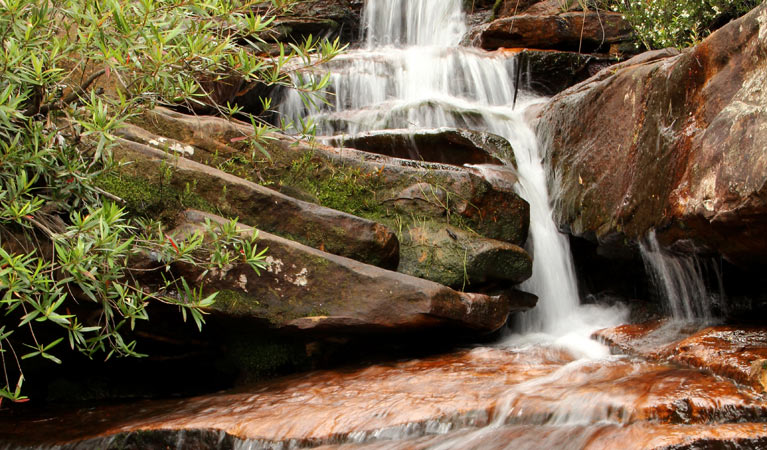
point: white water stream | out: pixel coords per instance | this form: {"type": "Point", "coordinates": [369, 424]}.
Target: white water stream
{"type": "Point", "coordinates": [679, 281]}
{"type": "Point", "coordinates": [412, 74]}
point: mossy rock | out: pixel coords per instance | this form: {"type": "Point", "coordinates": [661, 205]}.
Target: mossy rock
{"type": "Point", "coordinates": [456, 258]}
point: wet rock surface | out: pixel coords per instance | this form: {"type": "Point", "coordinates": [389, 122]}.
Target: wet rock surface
{"type": "Point", "coordinates": [640, 436]}
{"type": "Point", "coordinates": [737, 353]}
{"type": "Point", "coordinates": [688, 157]}
{"type": "Point", "coordinates": [532, 391]}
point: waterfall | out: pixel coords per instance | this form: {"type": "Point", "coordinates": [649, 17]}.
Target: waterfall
{"type": "Point", "coordinates": [679, 280]}
{"type": "Point", "coordinates": [415, 23]}
{"type": "Point", "coordinates": [412, 74]}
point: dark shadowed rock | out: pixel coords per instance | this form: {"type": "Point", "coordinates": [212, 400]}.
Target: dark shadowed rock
{"type": "Point", "coordinates": [442, 145]}
{"type": "Point", "coordinates": [675, 143]}
{"type": "Point", "coordinates": [550, 72]}
{"type": "Point", "coordinates": [155, 179]}
{"type": "Point", "coordinates": [304, 288]}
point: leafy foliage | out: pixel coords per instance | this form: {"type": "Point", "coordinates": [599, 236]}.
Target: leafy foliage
{"type": "Point", "coordinates": [71, 73]}
{"type": "Point", "coordinates": [679, 23]}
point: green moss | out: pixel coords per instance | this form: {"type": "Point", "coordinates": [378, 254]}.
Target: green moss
{"type": "Point", "coordinates": [234, 302]}
{"type": "Point", "coordinates": [151, 197]}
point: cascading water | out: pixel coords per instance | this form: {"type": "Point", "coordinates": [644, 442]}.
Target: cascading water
{"type": "Point", "coordinates": [412, 74]}
{"type": "Point", "coordinates": [679, 280]}
{"type": "Point", "coordinates": [419, 23]}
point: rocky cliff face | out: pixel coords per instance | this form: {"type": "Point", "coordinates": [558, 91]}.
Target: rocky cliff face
{"type": "Point", "coordinates": [671, 141]}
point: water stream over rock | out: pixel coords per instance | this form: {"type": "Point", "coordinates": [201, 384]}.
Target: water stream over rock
{"type": "Point", "coordinates": [413, 75]}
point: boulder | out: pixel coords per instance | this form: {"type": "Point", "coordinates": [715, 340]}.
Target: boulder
{"type": "Point", "coordinates": [306, 289]}
{"type": "Point", "coordinates": [457, 258]}
{"type": "Point", "coordinates": [589, 31]}
{"type": "Point", "coordinates": [441, 145]}
{"type": "Point", "coordinates": [396, 192]}
{"type": "Point", "coordinates": [159, 182]}
{"type": "Point", "coordinates": [669, 141]}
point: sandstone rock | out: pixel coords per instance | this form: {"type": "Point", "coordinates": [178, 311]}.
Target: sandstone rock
{"type": "Point", "coordinates": [307, 289]}
{"type": "Point", "coordinates": [442, 145]}
{"type": "Point", "coordinates": [460, 391]}
{"type": "Point", "coordinates": [674, 143]}
{"type": "Point", "coordinates": [738, 353]}
{"type": "Point", "coordinates": [392, 191]}
{"type": "Point", "coordinates": [456, 258]}
{"type": "Point", "coordinates": [588, 32]}
{"type": "Point", "coordinates": [155, 179]}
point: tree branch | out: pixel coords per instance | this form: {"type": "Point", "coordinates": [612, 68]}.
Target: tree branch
{"type": "Point", "coordinates": [72, 96]}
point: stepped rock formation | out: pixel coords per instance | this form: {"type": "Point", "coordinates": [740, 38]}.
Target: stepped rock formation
{"type": "Point", "coordinates": [408, 196]}
{"type": "Point", "coordinates": [672, 141]}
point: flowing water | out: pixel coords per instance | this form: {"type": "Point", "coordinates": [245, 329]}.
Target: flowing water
{"type": "Point", "coordinates": [680, 281]}
{"type": "Point", "coordinates": [412, 74]}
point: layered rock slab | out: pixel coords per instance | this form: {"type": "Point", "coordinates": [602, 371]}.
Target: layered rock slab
{"type": "Point", "coordinates": [154, 179]}
{"type": "Point", "coordinates": [669, 141]}
{"type": "Point", "coordinates": [306, 289]}
{"type": "Point", "coordinates": [478, 202]}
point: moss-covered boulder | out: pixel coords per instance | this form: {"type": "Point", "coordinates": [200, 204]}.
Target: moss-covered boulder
{"type": "Point", "coordinates": [307, 289]}
{"type": "Point", "coordinates": [156, 182]}
{"type": "Point", "coordinates": [457, 258]}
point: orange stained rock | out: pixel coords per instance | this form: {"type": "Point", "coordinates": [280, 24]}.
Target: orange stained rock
{"type": "Point", "coordinates": [536, 387]}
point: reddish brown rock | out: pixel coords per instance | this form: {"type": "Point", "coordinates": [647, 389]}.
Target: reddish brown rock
{"type": "Point", "coordinates": [674, 143]}
{"type": "Point", "coordinates": [531, 387]}
{"type": "Point", "coordinates": [738, 353]}
{"type": "Point", "coordinates": [589, 31]}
